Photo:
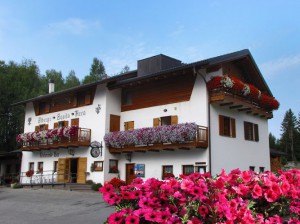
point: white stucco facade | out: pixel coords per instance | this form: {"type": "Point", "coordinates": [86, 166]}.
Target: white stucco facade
{"type": "Point", "coordinates": [222, 152]}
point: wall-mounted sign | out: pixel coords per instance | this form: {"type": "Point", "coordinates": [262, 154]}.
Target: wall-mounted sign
{"type": "Point", "coordinates": [61, 116]}
{"type": "Point", "coordinates": [139, 170]}
{"type": "Point", "coordinates": [49, 154]}
{"type": "Point", "coordinates": [96, 149]}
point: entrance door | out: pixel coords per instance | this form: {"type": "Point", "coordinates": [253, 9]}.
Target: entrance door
{"type": "Point", "coordinates": [130, 176]}
{"type": "Point", "coordinates": [73, 170]}
{"type": "Point", "coordinates": [63, 170]}
{"type": "Point", "coordinates": [81, 170]}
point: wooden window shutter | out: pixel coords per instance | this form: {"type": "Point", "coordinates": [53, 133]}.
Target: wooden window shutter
{"type": "Point", "coordinates": [155, 122]}
{"type": "Point", "coordinates": [130, 125]}
{"type": "Point", "coordinates": [46, 127]}
{"type": "Point", "coordinates": [87, 98]}
{"type": "Point", "coordinates": [55, 125]}
{"type": "Point", "coordinates": [66, 123]}
{"type": "Point", "coordinates": [37, 128]}
{"type": "Point", "coordinates": [75, 121]}
{"type": "Point", "coordinates": [256, 132]}
{"type": "Point", "coordinates": [221, 125]}
{"type": "Point", "coordinates": [233, 133]}
{"type": "Point", "coordinates": [174, 119]}
{"type": "Point", "coordinates": [114, 124]}
{"type": "Point", "coordinates": [82, 165]}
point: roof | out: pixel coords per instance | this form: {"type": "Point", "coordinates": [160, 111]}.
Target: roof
{"type": "Point", "coordinates": [275, 152]}
{"type": "Point", "coordinates": [203, 64]}
{"type": "Point", "coordinates": [131, 77]}
{"type": "Point", "coordinates": [81, 87]}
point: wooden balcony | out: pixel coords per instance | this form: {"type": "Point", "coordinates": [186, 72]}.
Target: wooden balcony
{"type": "Point", "coordinates": [238, 103]}
{"type": "Point", "coordinates": [83, 138]}
{"type": "Point", "coordinates": [200, 141]}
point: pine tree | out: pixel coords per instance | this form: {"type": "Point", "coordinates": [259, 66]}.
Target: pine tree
{"type": "Point", "coordinates": [289, 134]}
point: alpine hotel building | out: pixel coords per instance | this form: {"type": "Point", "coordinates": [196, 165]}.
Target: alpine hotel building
{"type": "Point", "coordinates": [165, 118]}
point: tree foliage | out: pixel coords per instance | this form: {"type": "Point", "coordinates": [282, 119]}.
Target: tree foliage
{"type": "Point", "coordinates": [97, 72]}
{"type": "Point", "coordinates": [290, 136]}
{"type": "Point", "coordinates": [71, 80]}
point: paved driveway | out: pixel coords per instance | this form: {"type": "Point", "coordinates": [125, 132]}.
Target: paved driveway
{"type": "Point", "coordinates": [45, 206]}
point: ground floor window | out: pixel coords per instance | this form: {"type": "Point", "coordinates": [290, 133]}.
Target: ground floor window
{"type": "Point", "coordinates": [31, 166]}
{"type": "Point", "coordinates": [200, 169]}
{"type": "Point", "coordinates": [113, 166]}
{"type": "Point", "coordinates": [261, 169]}
{"type": "Point", "coordinates": [187, 169]}
{"type": "Point", "coordinates": [252, 168]}
{"type": "Point", "coordinates": [40, 167]}
{"type": "Point", "coordinates": [55, 166]}
{"type": "Point", "coordinates": [167, 171]}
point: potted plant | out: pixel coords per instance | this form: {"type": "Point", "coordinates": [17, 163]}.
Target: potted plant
{"type": "Point", "coordinates": [29, 173]}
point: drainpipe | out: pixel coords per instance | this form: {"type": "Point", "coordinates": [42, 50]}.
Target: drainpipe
{"type": "Point", "coordinates": [200, 73]}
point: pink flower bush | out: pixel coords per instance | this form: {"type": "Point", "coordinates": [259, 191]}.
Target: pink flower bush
{"type": "Point", "coordinates": [48, 134]}
{"type": "Point", "coordinates": [237, 197]}
{"type": "Point", "coordinates": [143, 136]}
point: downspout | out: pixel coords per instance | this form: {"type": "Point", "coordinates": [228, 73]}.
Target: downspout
{"type": "Point", "coordinates": [208, 111]}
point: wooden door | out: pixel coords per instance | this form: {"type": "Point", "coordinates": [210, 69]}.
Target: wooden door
{"type": "Point", "coordinates": [130, 176]}
{"type": "Point", "coordinates": [81, 169]}
{"type": "Point", "coordinates": [114, 123]}
{"type": "Point", "coordinates": [61, 168]}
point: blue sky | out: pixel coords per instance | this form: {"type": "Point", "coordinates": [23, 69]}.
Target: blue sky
{"type": "Point", "coordinates": [66, 35]}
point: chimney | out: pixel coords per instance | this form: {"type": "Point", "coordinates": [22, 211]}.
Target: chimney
{"type": "Point", "coordinates": [51, 86]}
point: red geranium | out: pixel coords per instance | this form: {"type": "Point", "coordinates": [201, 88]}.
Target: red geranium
{"type": "Point", "coordinates": [29, 173]}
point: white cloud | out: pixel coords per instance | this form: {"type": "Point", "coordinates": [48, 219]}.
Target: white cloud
{"type": "Point", "coordinates": [279, 65]}
{"type": "Point", "coordinates": [75, 26]}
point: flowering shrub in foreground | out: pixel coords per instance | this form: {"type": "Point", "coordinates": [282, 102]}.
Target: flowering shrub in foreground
{"type": "Point", "coordinates": [237, 197]}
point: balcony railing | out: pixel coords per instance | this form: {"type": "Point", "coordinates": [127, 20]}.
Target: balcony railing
{"type": "Point", "coordinates": [235, 102]}
{"type": "Point", "coordinates": [169, 137]}
{"type": "Point", "coordinates": [82, 137]}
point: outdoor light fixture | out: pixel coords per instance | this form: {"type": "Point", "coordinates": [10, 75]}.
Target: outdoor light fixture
{"type": "Point", "coordinates": [128, 157]}
{"type": "Point", "coordinates": [165, 110]}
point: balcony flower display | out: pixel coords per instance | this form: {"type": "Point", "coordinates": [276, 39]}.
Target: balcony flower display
{"type": "Point", "coordinates": [233, 85]}
{"type": "Point", "coordinates": [53, 134]}
{"type": "Point", "coordinates": [144, 136]}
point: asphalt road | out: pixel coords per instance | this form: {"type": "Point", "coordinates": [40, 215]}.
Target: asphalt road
{"type": "Point", "coordinates": [45, 206]}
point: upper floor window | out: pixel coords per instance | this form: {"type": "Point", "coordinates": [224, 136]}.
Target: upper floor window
{"type": "Point", "coordinates": [31, 166]}
{"type": "Point", "coordinates": [227, 126]}
{"type": "Point", "coordinates": [251, 131]}
{"type": "Point", "coordinates": [167, 120]}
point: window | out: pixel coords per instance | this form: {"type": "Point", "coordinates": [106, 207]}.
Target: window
{"type": "Point", "coordinates": [187, 169]}
{"type": "Point", "coordinates": [126, 97]}
{"type": "Point", "coordinates": [167, 171]}
{"type": "Point", "coordinates": [31, 166]}
{"type": "Point", "coordinates": [252, 168]}
{"type": "Point", "coordinates": [261, 169]}
{"type": "Point", "coordinates": [251, 131]}
{"type": "Point", "coordinates": [55, 166]}
{"type": "Point", "coordinates": [98, 165]}
{"type": "Point", "coordinates": [129, 125]}
{"type": "Point", "coordinates": [168, 120]}
{"type": "Point", "coordinates": [40, 167]}
{"type": "Point", "coordinates": [113, 166]}
{"type": "Point", "coordinates": [200, 169]}
{"type": "Point", "coordinates": [227, 126]}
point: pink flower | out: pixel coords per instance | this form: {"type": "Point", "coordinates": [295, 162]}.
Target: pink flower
{"type": "Point", "coordinates": [270, 196]}
{"type": "Point", "coordinates": [112, 198]}
{"type": "Point", "coordinates": [186, 184]}
{"type": "Point", "coordinates": [256, 191]}
{"type": "Point", "coordinates": [153, 216]}
{"type": "Point", "coordinates": [203, 210]}
{"type": "Point", "coordinates": [116, 218]}
{"type": "Point", "coordinates": [132, 219]}
{"type": "Point", "coordinates": [107, 188]}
